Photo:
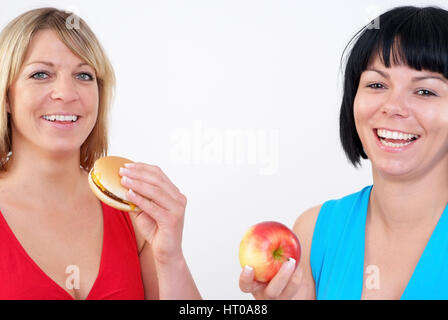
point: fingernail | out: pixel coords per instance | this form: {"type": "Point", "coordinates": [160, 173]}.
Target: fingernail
{"type": "Point", "coordinates": [125, 179]}
{"type": "Point", "coordinates": [129, 165]}
{"type": "Point", "coordinates": [247, 269]}
{"type": "Point", "coordinates": [131, 193]}
{"type": "Point", "coordinates": [124, 171]}
{"type": "Point", "coordinates": [291, 263]}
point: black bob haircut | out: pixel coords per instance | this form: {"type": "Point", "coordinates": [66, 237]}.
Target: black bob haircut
{"type": "Point", "coordinates": [416, 37]}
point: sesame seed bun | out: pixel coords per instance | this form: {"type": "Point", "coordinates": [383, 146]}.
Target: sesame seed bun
{"type": "Point", "coordinates": [104, 181]}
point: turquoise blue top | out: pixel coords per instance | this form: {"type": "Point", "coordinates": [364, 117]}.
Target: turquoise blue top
{"type": "Point", "coordinates": [337, 253]}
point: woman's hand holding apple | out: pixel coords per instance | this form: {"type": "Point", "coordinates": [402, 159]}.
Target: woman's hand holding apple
{"type": "Point", "coordinates": [269, 253]}
{"type": "Point", "coordinates": [284, 285]}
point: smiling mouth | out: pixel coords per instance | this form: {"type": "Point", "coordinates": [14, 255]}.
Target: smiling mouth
{"type": "Point", "coordinates": [61, 118]}
{"type": "Point", "coordinates": [395, 139]}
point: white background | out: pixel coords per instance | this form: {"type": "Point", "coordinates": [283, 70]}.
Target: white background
{"type": "Point", "coordinates": [192, 73]}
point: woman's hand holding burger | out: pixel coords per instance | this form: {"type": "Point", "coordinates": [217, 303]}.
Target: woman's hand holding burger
{"type": "Point", "coordinates": [158, 209]}
{"type": "Point", "coordinates": [163, 207]}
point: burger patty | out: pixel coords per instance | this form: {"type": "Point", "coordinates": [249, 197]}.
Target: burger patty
{"type": "Point", "coordinates": [109, 194]}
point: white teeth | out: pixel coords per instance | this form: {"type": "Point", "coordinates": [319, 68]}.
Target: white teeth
{"type": "Point", "coordinates": [72, 118]}
{"type": "Point", "coordinates": [395, 135]}
{"type": "Point", "coordinates": [395, 145]}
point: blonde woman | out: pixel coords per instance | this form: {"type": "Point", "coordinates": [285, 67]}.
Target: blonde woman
{"type": "Point", "coordinates": [57, 241]}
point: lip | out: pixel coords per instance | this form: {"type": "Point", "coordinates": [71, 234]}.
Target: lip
{"type": "Point", "coordinates": [392, 149]}
{"type": "Point", "coordinates": [63, 126]}
{"type": "Point", "coordinates": [60, 113]}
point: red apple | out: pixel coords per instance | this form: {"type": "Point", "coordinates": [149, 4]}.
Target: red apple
{"type": "Point", "coordinates": [265, 247]}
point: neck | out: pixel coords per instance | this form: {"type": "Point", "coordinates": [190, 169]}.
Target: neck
{"type": "Point", "coordinates": [408, 204]}
{"type": "Point", "coordinates": [43, 176]}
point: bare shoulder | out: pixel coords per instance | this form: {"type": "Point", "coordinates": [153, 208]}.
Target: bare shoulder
{"type": "Point", "coordinates": [304, 228]}
{"type": "Point", "coordinates": [304, 225]}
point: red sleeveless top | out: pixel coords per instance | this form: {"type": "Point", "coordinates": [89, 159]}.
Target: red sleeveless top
{"type": "Point", "coordinates": [119, 276]}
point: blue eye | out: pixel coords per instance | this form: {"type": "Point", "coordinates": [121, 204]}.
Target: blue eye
{"type": "Point", "coordinates": [39, 77]}
{"type": "Point", "coordinates": [87, 76]}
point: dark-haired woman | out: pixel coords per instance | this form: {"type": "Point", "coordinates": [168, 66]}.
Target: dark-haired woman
{"type": "Point", "coordinates": [390, 239]}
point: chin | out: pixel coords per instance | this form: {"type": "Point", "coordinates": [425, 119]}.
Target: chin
{"type": "Point", "coordinates": [394, 168]}
{"type": "Point", "coordinates": [63, 148]}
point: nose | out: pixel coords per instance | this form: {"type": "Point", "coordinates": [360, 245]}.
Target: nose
{"type": "Point", "coordinates": [64, 88]}
{"type": "Point", "coordinates": [395, 105]}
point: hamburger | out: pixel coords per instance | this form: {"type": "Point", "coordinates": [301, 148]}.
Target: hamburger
{"type": "Point", "coordinates": [105, 183]}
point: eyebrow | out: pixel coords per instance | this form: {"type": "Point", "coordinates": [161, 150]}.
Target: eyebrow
{"type": "Point", "coordinates": [414, 79]}
{"type": "Point", "coordinates": [52, 64]}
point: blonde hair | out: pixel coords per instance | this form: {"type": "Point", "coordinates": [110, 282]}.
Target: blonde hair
{"type": "Point", "coordinates": [79, 38]}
